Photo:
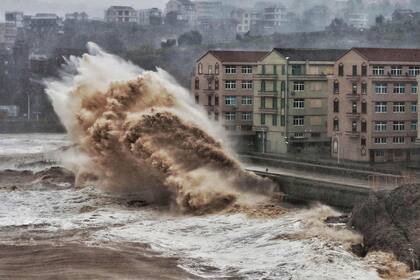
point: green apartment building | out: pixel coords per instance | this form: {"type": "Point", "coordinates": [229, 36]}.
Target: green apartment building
{"type": "Point", "coordinates": [290, 100]}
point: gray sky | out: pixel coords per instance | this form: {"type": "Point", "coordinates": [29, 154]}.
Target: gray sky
{"type": "Point", "coordinates": [95, 8]}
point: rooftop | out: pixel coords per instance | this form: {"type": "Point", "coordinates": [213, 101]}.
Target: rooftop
{"type": "Point", "coordinates": [311, 54]}
{"type": "Point", "coordinates": [388, 54]}
{"type": "Point", "coordinates": [237, 56]}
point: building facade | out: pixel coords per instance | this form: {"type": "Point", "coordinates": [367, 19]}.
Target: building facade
{"type": "Point", "coordinates": [151, 16]}
{"type": "Point", "coordinates": [373, 105]}
{"type": "Point", "coordinates": [183, 9]}
{"type": "Point", "coordinates": [290, 99]}
{"type": "Point", "coordinates": [121, 14]}
{"type": "Point", "coordinates": [223, 85]}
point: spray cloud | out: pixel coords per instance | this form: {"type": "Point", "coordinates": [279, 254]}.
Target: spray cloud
{"type": "Point", "coordinates": [143, 134]}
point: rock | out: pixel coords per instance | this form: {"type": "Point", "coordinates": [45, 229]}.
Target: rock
{"type": "Point", "coordinates": [359, 250]}
{"type": "Point", "coordinates": [343, 219]}
{"type": "Point", "coordinates": [390, 222]}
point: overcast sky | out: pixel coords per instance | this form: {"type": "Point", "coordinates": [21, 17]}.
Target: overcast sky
{"type": "Point", "coordinates": [95, 8]}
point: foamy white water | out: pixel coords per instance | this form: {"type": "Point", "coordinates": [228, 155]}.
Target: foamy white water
{"type": "Point", "coordinates": [211, 246]}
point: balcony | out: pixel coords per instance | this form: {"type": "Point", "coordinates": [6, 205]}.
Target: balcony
{"type": "Point", "coordinates": [269, 110]}
{"type": "Point", "coordinates": [209, 91]}
{"type": "Point", "coordinates": [353, 134]}
{"type": "Point", "coordinates": [265, 76]}
{"type": "Point", "coordinates": [353, 96]}
{"type": "Point", "coordinates": [388, 76]}
{"type": "Point", "coordinates": [261, 128]}
{"type": "Point", "coordinates": [353, 115]}
{"type": "Point", "coordinates": [268, 93]}
{"type": "Point", "coordinates": [308, 77]}
{"type": "Point", "coordinates": [354, 78]}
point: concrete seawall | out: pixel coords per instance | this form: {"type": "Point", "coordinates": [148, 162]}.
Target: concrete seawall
{"type": "Point", "coordinates": [303, 189]}
{"type": "Point", "coordinates": [25, 126]}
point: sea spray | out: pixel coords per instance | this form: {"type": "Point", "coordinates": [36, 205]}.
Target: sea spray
{"type": "Point", "coordinates": [140, 132]}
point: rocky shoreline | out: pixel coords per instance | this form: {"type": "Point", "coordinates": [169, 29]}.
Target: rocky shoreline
{"type": "Point", "coordinates": [390, 222]}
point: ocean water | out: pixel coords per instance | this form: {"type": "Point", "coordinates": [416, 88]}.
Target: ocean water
{"type": "Point", "coordinates": [219, 246]}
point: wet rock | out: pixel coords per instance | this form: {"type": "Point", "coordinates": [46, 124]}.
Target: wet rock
{"type": "Point", "coordinates": [390, 222]}
{"type": "Point", "coordinates": [359, 250]}
{"type": "Point", "coordinates": [343, 219]}
{"type": "Point", "coordinates": [137, 203]}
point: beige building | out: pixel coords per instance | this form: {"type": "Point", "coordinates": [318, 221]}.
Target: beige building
{"type": "Point", "coordinates": [223, 84]}
{"type": "Point", "coordinates": [121, 14]}
{"type": "Point", "coordinates": [373, 105]}
{"type": "Point", "coordinates": [290, 100]}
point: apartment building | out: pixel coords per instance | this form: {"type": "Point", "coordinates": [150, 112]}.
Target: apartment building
{"type": "Point", "coordinates": [290, 99]}
{"type": "Point", "coordinates": [223, 84]}
{"type": "Point", "coordinates": [121, 14]}
{"type": "Point", "coordinates": [373, 105]}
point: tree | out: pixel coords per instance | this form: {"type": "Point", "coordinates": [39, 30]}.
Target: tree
{"type": "Point", "coordinates": [190, 38]}
{"type": "Point", "coordinates": [379, 20]}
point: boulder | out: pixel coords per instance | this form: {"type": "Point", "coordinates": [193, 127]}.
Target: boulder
{"type": "Point", "coordinates": [390, 222]}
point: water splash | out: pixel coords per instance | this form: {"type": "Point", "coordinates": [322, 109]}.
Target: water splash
{"type": "Point", "coordinates": [143, 134]}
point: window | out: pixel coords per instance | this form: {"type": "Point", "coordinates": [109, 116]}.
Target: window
{"type": "Point", "coordinates": [380, 140]}
{"type": "Point", "coordinates": [299, 86]}
{"type": "Point", "coordinates": [209, 99]}
{"type": "Point", "coordinates": [413, 139]}
{"type": "Point", "coordinates": [247, 69]}
{"type": "Point", "coordinates": [262, 102]}
{"type": "Point", "coordinates": [379, 153]}
{"type": "Point", "coordinates": [230, 69]}
{"type": "Point", "coordinates": [200, 68]}
{"type": "Point", "coordinates": [354, 126]}
{"type": "Point", "coordinates": [230, 84]}
{"type": "Point", "coordinates": [378, 70]}
{"type": "Point", "coordinates": [363, 141]}
{"type": "Point", "coordinates": [216, 100]}
{"type": "Point", "coordinates": [216, 69]}
{"type": "Point", "coordinates": [247, 84]}
{"type": "Point", "coordinates": [209, 81]}
{"type": "Point", "coordinates": [210, 69]}
{"type": "Point", "coordinates": [413, 125]}
{"type": "Point", "coordinates": [354, 88]}
{"type": "Point", "coordinates": [363, 126]}
{"type": "Point", "coordinates": [414, 88]}
{"type": "Point", "coordinates": [299, 135]}
{"type": "Point", "coordinates": [364, 107]}
{"type": "Point", "coordinates": [298, 103]}
{"type": "Point", "coordinates": [398, 140]}
{"type": "Point", "coordinates": [413, 107]}
{"type": "Point", "coordinates": [336, 105]}
{"type": "Point", "coordinates": [354, 107]}
{"type": "Point", "coordinates": [298, 120]}
{"type": "Point", "coordinates": [354, 70]}
{"type": "Point", "coordinates": [381, 107]}
{"type": "Point", "coordinates": [341, 70]}
{"type": "Point", "coordinates": [298, 69]}
{"type": "Point", "coordinates": [399, 88]}
{"type": "Point", "coordinates": [262, 118]}
{"type": "Point", "coordinates": [216, 84]}
{"type": "Point", "coordinates": [230, 100]}
{"type": "Point", "coordinates": [398, 107]}
{"type": "Point", "coordinates": [364, 88]}
{"type": "Point", "coordinates": [197, 99]}
{"type": "Point", "coordinates": [336, 124]}
{"type": "Point", "coordinates": [274, 120]}
{"type": "Point", "coordinates": [414, 71]}
{"type": "Point", "coordinates": [381, 88]}
{"type": "Point", "coordinates": [396, 70]}
{"type": "Point", "coordinates": [364, 70]}
{"type": "Point", "coordinates": [246, 116]}
{"type": "Point", "coordinates": [398, 126]}
{"type": "Point", "coordinates": [197, 83]}
{"type": "Point", "coordinates": [230, 116]}
{"type": "Point", "coordinates": [246, 100]}
{"type": "Point", "coordinates": [380, 126]}
{"type": "Point", "coordinates": [336, 87]}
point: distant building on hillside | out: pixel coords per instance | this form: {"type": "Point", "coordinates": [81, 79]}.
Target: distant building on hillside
{"type": "Point", "coordinates": [183, 10]}
{"type": "Point", "coordinates": [77, 16]}
{"type": "Point", "coordinates": [151, 16]}
{"type": "Point", "coordinates": [14, 21]}
{"type": "Point", "coordinates": [358, 20]}
{"type": "Point", "coordinates": [121, 14]}
{"type": "Point", "coordinates": [245, 19]}
{"type": "Point", "coordinates": [208, 9]}
{"type": "Point", "coordinates": [45, 21]}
